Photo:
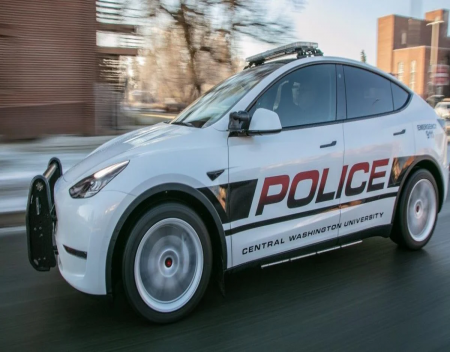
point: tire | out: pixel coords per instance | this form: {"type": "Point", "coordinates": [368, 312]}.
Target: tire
{"type": "Point", "coordinates": [167, 263]}
{"type": "Point", "coordinates": [417, 211]}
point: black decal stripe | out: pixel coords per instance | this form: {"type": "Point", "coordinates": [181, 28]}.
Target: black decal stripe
{"type": "Point", "coordinates": [240, 199]}
{"type": "Point", "coordinates": [368, 200]}
{"type": "Point", "coordinates": [280, 219]}
{"type": "Point", "coordinates": [231, 202]}
{"type": "Point", "coordinates": [399, 169]}
{"type": "Point", "coordinates": [308, 213]}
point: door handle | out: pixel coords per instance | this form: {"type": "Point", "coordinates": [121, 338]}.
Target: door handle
{"type": "Point", "coordinates": [332, 144]}
{"type": "Point", "coordinates": [399, 133]}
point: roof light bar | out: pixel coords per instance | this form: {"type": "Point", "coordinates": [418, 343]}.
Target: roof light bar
{"type": "Point", "coordinates": [302, 49]}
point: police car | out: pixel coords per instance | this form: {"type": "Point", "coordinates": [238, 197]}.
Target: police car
{"type": "Point", "coordinates": [286, 159]}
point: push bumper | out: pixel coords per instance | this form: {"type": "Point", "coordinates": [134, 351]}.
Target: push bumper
{"type": "Point", "coordinates": [72, 233]}
{"type": "Point", "coordinates": [41, 218]}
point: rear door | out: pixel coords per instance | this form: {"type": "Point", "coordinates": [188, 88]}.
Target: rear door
{"type": "Point", "coordinates": [379, 144]}
{"type": "Point", "coordinates": [282, 186]}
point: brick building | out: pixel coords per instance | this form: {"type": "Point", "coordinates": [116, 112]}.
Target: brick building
{"type": "Point", "coordinates": [404, 50]}
{"type": "Point", "coordinates": [51, 69]}
{"type": "Point", "coordinates": [47, 67]}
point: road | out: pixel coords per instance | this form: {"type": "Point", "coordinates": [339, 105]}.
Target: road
{"type": "Point", "coordinates": [372, 296]}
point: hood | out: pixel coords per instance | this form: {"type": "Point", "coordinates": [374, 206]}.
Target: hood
{"type": "Point", "coordinates": [154, 135]}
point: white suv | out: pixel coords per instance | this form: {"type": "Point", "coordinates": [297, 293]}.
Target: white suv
{"type": "Point", "coordinates": [283, 160]}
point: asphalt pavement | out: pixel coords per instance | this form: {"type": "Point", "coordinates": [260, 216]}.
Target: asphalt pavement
{"type": "Point", "coordinates": [371, 296]}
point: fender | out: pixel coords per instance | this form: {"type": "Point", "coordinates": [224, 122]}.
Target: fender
{"type": "Point", "coordinates": [406, 171]}
{"type": "Point", "coordinates": [144, 196]}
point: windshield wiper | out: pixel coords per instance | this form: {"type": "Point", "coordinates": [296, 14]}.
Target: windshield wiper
{"type": "Point", "coordinates": [182, 123]}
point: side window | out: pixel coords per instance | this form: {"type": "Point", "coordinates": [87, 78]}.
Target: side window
{"type": "Point", "coordinates": [303, 97]}
{"type": "Point", "coordinates": [367, 93]}
{"type": "Point", "coordinates": [399, 95]}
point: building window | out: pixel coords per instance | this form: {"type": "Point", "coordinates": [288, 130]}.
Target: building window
{"type": "Point", "coordinates": [400, 71]}
{"type": "Point", "coordinates": [404, 36]}
{"type": "Point", "coordinates": [412, 76]}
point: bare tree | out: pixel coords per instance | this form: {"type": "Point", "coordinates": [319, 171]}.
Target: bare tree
{"type": "Point", "coordinates": [255, 19]}
{"type": "Point", "coordinates": [205, 34]}
{"type": "Point", "coordinates": [363, 56]}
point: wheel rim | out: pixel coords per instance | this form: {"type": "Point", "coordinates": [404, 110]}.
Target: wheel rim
{"type": "Point", "coordinates": [168, 265]}
{"type": "Point", "coordinates": [421, 210]}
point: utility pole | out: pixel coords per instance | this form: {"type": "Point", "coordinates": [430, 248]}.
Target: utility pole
{"type": "Point", "coordinates": [434, 49]}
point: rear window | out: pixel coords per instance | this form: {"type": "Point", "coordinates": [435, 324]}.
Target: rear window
{"type": "Point", "coordinates": [399, 95]}
{"type": "Point", "coordinates": [367, 93]}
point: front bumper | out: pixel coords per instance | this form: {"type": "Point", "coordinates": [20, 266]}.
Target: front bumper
{"type": "Point", "coordinates": [81, 231]}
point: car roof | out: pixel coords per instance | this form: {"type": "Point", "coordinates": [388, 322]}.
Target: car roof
{"type": "Point", "coordinates": [338, 60]}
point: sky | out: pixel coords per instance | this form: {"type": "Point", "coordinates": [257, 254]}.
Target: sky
{"type": "Point", "coordinates": [345, 27]}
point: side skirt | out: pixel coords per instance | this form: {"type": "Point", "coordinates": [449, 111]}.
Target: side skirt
{"type": "Point", "coordinates": [316, 248]}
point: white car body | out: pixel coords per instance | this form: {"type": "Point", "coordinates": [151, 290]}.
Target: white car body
{"type": "Point", "coordinates": [174, 158]}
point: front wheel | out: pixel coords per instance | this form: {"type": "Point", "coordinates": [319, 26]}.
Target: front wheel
{"type": "Point", "coordinates": [167, 263]}
{"type": "Point", "coordinates": [417, 211]}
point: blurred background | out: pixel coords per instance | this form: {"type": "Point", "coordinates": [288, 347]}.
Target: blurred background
{"type": "Point", "coordinates": [74, 74]}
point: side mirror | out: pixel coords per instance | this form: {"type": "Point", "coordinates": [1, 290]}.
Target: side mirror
{"type": "Point", "coordinates": [264, 121]}
{"type": "Point", "coordinates": [239, 121]}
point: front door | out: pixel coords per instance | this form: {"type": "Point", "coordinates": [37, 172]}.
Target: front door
{"type": "Point", "coordinates": [283, 187]}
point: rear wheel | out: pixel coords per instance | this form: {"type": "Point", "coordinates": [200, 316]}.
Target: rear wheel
{"type": "Point", "coordinates": [417, 211]}
{"type": "Point", "coordinates": [167, 263]}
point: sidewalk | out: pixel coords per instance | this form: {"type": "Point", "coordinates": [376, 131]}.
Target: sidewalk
{"type": "Point", "coordinates": [20, 162]}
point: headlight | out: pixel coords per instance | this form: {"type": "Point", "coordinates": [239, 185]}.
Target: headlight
{"type": "Point", "coordinates": [91, 185]}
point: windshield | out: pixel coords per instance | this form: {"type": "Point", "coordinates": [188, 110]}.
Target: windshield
{"type": "Point", "coordinates": [219, 100]}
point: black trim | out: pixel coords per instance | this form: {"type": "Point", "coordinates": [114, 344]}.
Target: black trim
{"type": "Point", "coordinates": [143, 197]}
{"type": "Point", "coordinates": [290, 128]}
{"type": "Point", "coordinates": [214, 174]}
{"type": "Point", "coordinates": [260, 133]}
{"type": "Point", "coordinates": [287, 129]}
{"type": "Point", "coordinates": [308, 213]}
{"type": "Point", "coordinates": [381, 230]}
{"type": "Point", "coordinates": [75, 252]}
{"type": "Point", "coordinates": [341, 99]}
